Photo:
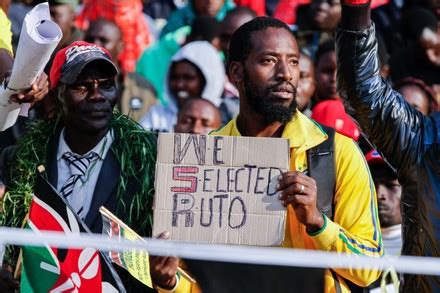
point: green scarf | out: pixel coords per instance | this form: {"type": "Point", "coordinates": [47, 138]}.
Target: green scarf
{"type": "Point", "coordinates": [134, 148]}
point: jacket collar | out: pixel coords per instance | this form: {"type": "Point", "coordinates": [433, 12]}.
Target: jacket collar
{"type": "Point", "coordinates": [302, 132]}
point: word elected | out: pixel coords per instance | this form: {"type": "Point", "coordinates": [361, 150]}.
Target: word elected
{"type": "Point", "coordinates": [248, 179]}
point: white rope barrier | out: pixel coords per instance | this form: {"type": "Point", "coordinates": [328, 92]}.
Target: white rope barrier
{"type": "Point", "coordinates": [225, 253]}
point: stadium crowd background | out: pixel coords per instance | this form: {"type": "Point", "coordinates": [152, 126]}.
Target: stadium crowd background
{"type": "Point", "coordinates": [172, 56]}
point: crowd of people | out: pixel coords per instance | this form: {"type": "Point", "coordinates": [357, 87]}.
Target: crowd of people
{"type": "Point", "coordinates": [354, 85]}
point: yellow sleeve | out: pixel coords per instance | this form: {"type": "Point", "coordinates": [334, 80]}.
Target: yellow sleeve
{"type": "Point", "coordinates": [184, 286]}
{"type": "Point", "coordinates": [5, 32]}
{"type": "Point", "coordinates": [355, 228]}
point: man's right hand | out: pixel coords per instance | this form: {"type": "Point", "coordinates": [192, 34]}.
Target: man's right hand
{"type": "Point", "coordinates": [300, 191]}
{"type": "Point", "coordinates": [163, 269]}
{"type": "Point", "coordinates": [355, 14]}
{"type": "Point", "coordinates": [7, 281]}
{"type": "Point", "coordinates": [36, 93]}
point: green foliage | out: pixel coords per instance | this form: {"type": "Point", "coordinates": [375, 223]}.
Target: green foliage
{"type": "Point", "coordinates": [135, 150]}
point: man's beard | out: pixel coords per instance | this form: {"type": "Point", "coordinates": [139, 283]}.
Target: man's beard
{"type": "Point", "coordinates": [260, 102]}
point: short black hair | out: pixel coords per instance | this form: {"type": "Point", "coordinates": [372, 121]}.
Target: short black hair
{"type": "Point", "coordinates": [240, 11]}
{"type": "Point", "coordinates": [204, 28]}
{"type": "Point", "coordinates": [381, 171]}
{"type": "Point", "coordinates": [429, 92]}
{"type": "Point", "coordinates": [324, 48]}
{"type": "Point", "coordinates": [192, 100]}
{"type": "Point", "coordinates": [241, 44]}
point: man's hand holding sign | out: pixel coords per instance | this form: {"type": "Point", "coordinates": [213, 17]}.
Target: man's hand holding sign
{"type": "Point", "coordinates": [300, 191]}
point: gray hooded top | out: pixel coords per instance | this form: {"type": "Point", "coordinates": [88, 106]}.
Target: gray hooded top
{"type": "Point", "coordinates": [207, 59]}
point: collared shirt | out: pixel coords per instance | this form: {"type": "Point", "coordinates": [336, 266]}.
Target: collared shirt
{"type": "Point", "coordinates": [392, 240]}
{"type": "Point", "coordinates": [90, 179]}
{"type": "Point", "coordinates": [355, 226]}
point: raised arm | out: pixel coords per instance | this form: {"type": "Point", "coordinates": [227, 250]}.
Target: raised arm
{"type": "Point", "coordinates": [400, 132]}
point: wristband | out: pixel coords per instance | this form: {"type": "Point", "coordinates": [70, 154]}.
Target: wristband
{"type": "Point", "coordinates": [158, 288]}
{"type": "Point", "coordinates": [355, 15]}
{"type": "Point", "coordinates": [355, 2]}
{"type": "Point", "coordinates": [320, 229]}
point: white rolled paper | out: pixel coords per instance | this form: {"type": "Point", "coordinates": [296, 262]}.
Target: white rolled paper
{"type": "Point", "coordinates": [38, 39]}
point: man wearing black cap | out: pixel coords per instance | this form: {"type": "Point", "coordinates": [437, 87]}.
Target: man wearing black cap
{"type": "Point", "coordinates": [93, 156]}
{"type": "Point", "coordinates": [389, 192]}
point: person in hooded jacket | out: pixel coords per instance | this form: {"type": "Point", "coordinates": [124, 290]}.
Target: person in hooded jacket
{"type": "Point", "coordinates": [196, 70]}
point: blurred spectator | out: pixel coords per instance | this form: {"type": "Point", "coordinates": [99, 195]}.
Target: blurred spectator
{"type": "Point", "coordinates": [433, 5]}
{"type": "Point", "coordinates": [137, 95]}
{"type": "Point", "coordinates": [4, 5]}
{"type": "Point", "coordinates": [155, 60]}
{"type": "Point", "coordinates": [316, 23]}
{"type": "Point", "coordinates": [6, 63]}
{"type": "Point", "coordinates": [417, 94]}
{"type": "Point", "coordinates": [16, 14]}
{"type": "Point", "coordinates": [63, 13]}
{"type": "Point", "coordinates": [387, 16]}
{"type": "Point", "coordinates": [330, 110]}
{"type": "Point", "coordinates": [5, 45]}
{"type": "Point", "coordinates": [198, 116]}
{"type": "Point", "coordinates": [196, 71]}
{"type": "Point", "coordinates": [388, 191]}
{"type": "Point", "coordinates": [233, 20]}
{"type": "Point", "coordinates": [306, 84]}
{"type": "Point", "coordinates": [259, 6]}
{"type": "Point", "coordinates": [326, 72]}
{"type": "Point", "coordinates": [420, 57]}
{"type": "Point", "coordinates": [107, 34]}
{"type": "Point", "coordinates": [286, 10]}
{"type": "Point", "coordinates": [130, 19]}
{"type": "Point", "coordinates": [185, 15]}
{"type": "Point", "coordinates": [159, 8]}
{"type": "Point", "coordinates": [324, 15]}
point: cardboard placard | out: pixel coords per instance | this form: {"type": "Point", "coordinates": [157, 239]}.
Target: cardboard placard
{"type": "Point", "coordinates": [220, 189]}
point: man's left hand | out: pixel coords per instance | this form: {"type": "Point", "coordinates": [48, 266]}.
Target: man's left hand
{"type": "Point", "coordinates": [300, 191]}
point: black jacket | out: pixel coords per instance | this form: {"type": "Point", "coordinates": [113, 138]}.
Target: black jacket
{"type": "Point", "coordinates": [407, 139]}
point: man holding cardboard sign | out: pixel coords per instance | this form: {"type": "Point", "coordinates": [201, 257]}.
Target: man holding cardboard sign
{"type": "Point", "coordinates": [263, 64]}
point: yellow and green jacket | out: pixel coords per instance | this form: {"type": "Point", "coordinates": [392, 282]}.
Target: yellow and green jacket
{"type": "Point", "coordinates": [355, 226]}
